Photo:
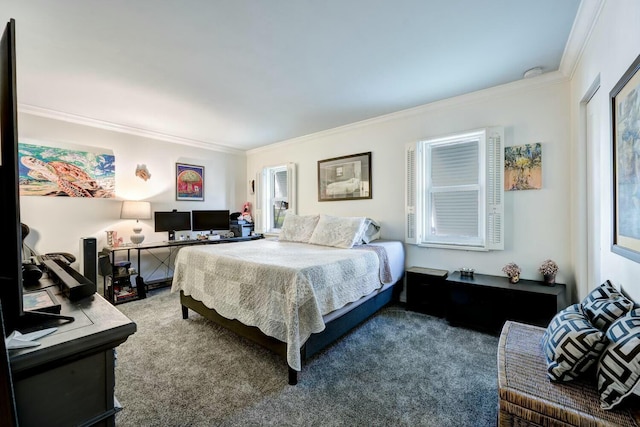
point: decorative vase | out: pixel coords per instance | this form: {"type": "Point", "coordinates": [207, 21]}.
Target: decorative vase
{"type": "Point", "coordinates": [109, 238]}
{"type": "Point", "coordinates": [514, 279]}
{"type": "Point", "coordinates": [550, 279]}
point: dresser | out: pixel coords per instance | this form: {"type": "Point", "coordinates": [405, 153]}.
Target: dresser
{"type": "Point", "coordinates": [69, 379]}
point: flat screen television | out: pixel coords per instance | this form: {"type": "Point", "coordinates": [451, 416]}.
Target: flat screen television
{"type": "Point", "coordinates": [210, 220]}
{"type": "Point", "coordinates": [172, 221]}
{"type": "Point", "coordinates": [13, 315]}
{"type": "Point", "coordinates": [11, 265]}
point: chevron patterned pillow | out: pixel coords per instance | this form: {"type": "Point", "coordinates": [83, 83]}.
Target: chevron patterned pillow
{"type": "Point", "coordinates": [619, 367]}
{"type": "Point", "coordinates": [571, 344]}
{"type": "Point", "coordinates": [604, 305]}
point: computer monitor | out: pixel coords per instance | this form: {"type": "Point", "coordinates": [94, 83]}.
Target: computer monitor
{"type": "Point", "coordinates": [210, 220]}
{"type": "Point", "coordinates": [171, 222]}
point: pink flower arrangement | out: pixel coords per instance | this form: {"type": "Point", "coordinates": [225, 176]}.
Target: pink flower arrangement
{"type": "Point", "coordinates": [548, 267]}
{"type": "Point", "coordinates": [511, 270]}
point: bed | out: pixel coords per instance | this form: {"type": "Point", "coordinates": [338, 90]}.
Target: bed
{"type": "Point", "coordinates": [293, 297]}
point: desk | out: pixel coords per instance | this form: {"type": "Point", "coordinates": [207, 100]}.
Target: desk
{"type": "Point", "coordinates": [69, 379]}
{"type": "Point", "coordinates": [165, 260]}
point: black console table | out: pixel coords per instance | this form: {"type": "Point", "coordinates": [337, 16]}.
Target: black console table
{"type": "Point", "coordinates": [486, 302]}
{"type": "Point", "coordinates": [120, 274]}
{"type": "Point", "coordinates": [69, 379]}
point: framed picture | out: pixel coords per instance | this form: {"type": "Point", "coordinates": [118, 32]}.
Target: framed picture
{"type": "Point", "coordinates": [189, 182]}
{"type": "Point", "coordinates": [345, 178]}
{"type": "Point", "coordinates": [625, 132]}
{"type": "Point", "coordinates": [64, 172]}
{"type": "Point", "coordinates": [41, 300]}
{"type": "Point", "coordinates": [523, 167]}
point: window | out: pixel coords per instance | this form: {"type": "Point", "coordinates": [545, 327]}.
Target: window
{"type": "Point", "coordinates": [275, 195]}
{"type": "Point", "coordinates": [455, 191]}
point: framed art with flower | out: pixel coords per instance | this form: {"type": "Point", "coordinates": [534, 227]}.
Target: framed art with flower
{"type": "Point", "coordinates": [625, 135]}
{"type": "Point", "coordinates": [189, 182]}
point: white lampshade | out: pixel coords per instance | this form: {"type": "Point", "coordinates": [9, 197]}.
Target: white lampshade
{"type": "Point", "coordinates": [136, 210]}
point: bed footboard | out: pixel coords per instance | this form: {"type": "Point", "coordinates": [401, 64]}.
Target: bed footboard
{"type": "Point", "coordinates": [333, 331]}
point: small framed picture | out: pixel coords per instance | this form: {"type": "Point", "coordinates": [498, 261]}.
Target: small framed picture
{"type": "Point", "coordinates": [41, 300]}
{"type": "Point", "coordinates": [189, 182]}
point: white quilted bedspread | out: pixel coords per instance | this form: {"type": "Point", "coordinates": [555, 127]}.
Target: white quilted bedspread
{"type": "Point", "coordinates": [283, 288]}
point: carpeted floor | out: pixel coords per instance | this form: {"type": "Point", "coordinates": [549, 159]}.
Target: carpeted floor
{"type": "Point", "coordinates": [400, 368]}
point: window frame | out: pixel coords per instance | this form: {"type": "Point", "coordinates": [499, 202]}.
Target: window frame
{"type": "Point", "coordinates": [489, 186]}
{"type": "Point", "coordinates": [265, 198]}
{"type": "Point", "coordinates": [272, 199]}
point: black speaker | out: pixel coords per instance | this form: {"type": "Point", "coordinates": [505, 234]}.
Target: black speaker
{"type": "Point", "coordinates": [88, 262]}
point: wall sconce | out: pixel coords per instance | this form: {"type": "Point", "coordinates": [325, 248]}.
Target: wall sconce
{"type": "Point", "coordinates": [136, 210]}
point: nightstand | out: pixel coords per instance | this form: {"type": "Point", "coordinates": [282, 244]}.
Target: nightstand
{"type": "Point", "coordinates": [427, 290]}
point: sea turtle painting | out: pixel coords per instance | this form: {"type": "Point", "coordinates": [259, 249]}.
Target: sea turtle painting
{"type": "Point", "coordinates": [58, 177]}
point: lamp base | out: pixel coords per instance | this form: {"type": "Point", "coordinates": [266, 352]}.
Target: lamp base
{"type": "Point", "coordinates": [137, 238]}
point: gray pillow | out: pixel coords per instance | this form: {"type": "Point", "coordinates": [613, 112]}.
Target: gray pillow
{"type": "Point", "coordinates": [604, 305]}
{"type": "Point", "coordinates": [619, 367]}
{"type": "Point", "coordinates": [571, 344]}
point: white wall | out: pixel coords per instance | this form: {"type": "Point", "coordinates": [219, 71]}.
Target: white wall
{"type": "Point", "coordinates": [612, 48]}
{"type": "Point", "coordinates": [537, 221]}
{"type": "Point", "coordinates": [58, 223]}
{"type": "Point", "coordinates": [547, 223]}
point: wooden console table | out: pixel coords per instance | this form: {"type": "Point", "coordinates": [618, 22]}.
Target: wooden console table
{"type": "Point", "coordinates": [487, 302]}
{"type": "Point", "coordinates": [140, 290]}
{"type": "Point", "coordinates": [69, 379]}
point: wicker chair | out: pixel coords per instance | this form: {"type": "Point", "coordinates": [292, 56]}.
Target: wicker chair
{"type": "Point", "coordinates": [528, 398]}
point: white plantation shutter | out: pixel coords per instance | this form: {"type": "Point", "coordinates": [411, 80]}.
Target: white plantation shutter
{"type": "Point", "coordinates": [291, 187]}
{"type": "Point", "coordinates": [259, 218]}
{"type": "Point", "coordinates": [495, 189]}
{"type": "Point", "coordinates": [410, 195]}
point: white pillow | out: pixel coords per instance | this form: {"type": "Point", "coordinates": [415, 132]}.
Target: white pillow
{"type": "Point", "coordinates": [337, 231]}
{"type": "Point", "coordinates": [298, 228]}
{"type": "Point", "coordinates": [370, 232]}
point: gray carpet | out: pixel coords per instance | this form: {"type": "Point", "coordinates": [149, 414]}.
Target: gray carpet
{"type": "Point", "coordinates": [400, 368]}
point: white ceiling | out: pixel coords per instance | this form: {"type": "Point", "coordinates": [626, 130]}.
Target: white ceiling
{"type": "Point", "coordinates": [247, 73]}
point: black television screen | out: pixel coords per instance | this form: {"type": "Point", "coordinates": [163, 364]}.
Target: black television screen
{"type": "Point", "coordinates": [172, 221]}
{"type": "Point", "coordinates": [210, 220]}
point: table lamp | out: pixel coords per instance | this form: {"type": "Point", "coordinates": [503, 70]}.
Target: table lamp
{"type": "Point", "coordinates": [136, 210]}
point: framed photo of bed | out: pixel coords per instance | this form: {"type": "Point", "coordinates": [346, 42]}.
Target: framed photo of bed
{"type": "Point", "coordinates": [625, 132]}
{"type": "Point", "coordinates": [189, 182]}
{"type": "Point", "coordinates": [345, 178]}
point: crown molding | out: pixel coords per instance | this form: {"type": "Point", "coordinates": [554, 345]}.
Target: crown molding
{"type": "Point", "coordinates": [101, 124]}
{"type": "Point", "coordinates": [586, 18]}
{"type": "Point", "coordinates": [492, 92]}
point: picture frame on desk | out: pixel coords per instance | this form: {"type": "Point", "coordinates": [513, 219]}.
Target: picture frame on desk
{"type": "Point", "coordinates": [41, 300]}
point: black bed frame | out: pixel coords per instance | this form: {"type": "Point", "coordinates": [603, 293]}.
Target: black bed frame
{"type": "Point", "coordinates": [334, 329]}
